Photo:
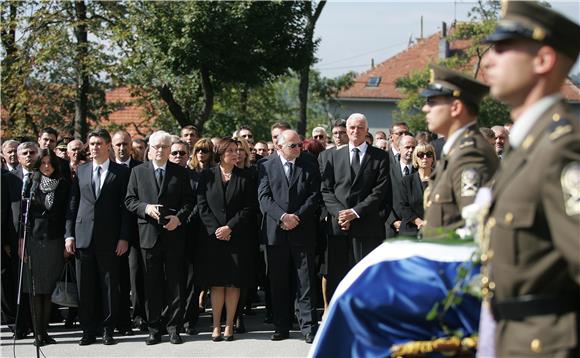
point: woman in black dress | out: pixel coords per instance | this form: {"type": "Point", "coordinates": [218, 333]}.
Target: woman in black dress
{"type": "Point", "coordinates": [45, 247]}
{"type": "Point", "coordinates": [227, 204]}
{"type": "Point", "coordinates": [412, 211]}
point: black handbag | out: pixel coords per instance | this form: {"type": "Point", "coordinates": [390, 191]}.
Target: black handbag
{"type": "Point", "coordinates": [66, 293]}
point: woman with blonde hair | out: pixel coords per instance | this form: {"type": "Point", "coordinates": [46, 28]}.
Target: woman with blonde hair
{"type": "Point", "coordinates": [202, 155]}
{"type": "Point", "coordinates": [244, 153]}
{"type": "Point", "coordinates": [412, 210]}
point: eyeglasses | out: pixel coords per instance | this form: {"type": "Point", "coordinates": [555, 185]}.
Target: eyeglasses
{"type": "Point", "coordinates": [294, 145]}
{"type": "Point", "coordinates": [178, 152]}
{"type": "Point", "coordinates": [423, 155]}
{"type": "Point", "coordinates": [203, 150]}
{"type": "Point", "coordinates": [160, 146]}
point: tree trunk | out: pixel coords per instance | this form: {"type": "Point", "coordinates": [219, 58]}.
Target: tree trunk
{"type": "Point", "coordinates": [11, 56]}
{"type": "Point", "coordinates": [208, 98]}
{"type": "Point", "coordinates": [305, 70]}
{"type": "Point", "coordinates": [174, 108]}
{"type": "Point", "coordinates": [82, 76]}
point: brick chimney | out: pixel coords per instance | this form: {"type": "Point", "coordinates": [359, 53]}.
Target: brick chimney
{"type": "Point", "coordinates": [443, 43]}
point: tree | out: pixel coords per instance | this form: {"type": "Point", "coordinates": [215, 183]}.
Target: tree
{"type": "Point", "coordinates": [311, 15]}
{"type": "Point", "coordinates": [53, 71]}
{"type": "Point", "coordinates": [186, 52]}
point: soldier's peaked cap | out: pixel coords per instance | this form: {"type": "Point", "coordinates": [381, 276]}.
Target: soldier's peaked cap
{"type": "Point", "coordinates": [530, 20]}
{"type": "Point", "coordinates": [449, 83]}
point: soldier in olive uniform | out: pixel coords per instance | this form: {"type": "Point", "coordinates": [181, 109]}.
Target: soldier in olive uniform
{"type": "Point", "coordinates": [534, 220]}
{"type": "Point", "coordinates": [467, 161]}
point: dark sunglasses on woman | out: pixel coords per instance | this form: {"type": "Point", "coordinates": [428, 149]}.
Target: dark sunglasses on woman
{"type": "Point", "coordinates": [423, 155]}
{"type": "Point", "coordinates": [203, 150]}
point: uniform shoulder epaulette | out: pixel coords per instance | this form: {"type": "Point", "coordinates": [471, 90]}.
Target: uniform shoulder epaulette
{"type": "Point", "coordinates": [559, 127]}
{"type": "Point", "coordinates": [467, 142]}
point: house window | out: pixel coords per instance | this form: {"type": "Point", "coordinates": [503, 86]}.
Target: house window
{"type": "Point", "coordinates": [374, 81]}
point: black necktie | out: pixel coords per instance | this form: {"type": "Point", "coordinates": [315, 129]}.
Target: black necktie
{"type": "Point", "coordinates": [290, 171]}
{"type": "Point", "coordinates": [97, 182]}
{"type": "Point", "coordinates": [355, 164]}
{"type": "Point", "coordinates": [159, 177]}
{"type": "Point", "coordinates": [406, 170]}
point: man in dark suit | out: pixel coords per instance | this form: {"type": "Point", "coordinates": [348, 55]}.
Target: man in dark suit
{"type": "Point", "coordinates": [160, 194]}
{"type": "Point", "coordinates": [97, 230]}
{"type": "Point", "coordinates": [400, 169]}
{"type": "Point", "coordinates": [289, 198]}
{"type": "Point", "coordinates": [131, 268]}
{"type": "Point", "coordinates": [398, 130]}
{"type": "Point", "coordinates": [47, 139]}
{"type": "Point", "coordinates": [16, 180]}
{"type": "Point", "coordinates": [355, 187]}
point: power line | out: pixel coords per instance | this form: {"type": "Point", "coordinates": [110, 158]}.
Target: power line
{"type": "Point", "coordinates": [365, 53]}
{"type": "Point", "coordinates": [342, 67]}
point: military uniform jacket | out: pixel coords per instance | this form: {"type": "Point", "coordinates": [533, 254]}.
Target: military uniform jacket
{"type": "Point", "coordinates": [534, 228]}
{"type": "Point", "coordinates": [470, 163]}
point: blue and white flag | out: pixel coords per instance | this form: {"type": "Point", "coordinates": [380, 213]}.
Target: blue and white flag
{"type": "Point", "coordinates": [385, 298]}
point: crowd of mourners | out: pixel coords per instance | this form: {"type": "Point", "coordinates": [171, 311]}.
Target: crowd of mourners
{"type": "Point", "coordinates": [151, 227]}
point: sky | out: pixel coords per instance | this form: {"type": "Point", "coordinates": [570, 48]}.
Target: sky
{"type": "Point", "coordinates": [352, 34]}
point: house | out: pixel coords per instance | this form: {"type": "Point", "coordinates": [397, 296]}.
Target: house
{"type": "Point", "coordinates": [128, 113]}
{"type": "Point", "coordinates": [374, 93]}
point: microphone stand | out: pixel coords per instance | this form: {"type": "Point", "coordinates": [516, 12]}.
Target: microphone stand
{"type": "Point", "coordinates": [25, 222]}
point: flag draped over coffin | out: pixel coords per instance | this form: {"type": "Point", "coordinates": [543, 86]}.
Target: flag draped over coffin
{"type": "Point", "coordinates": [385, 298]}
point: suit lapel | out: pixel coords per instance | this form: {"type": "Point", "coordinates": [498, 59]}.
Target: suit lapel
{"type": "Point", "coordinates": [297, 172]}
{"type": "Point", "coordinates": [91, 179]}
{"type": "Point", "coordinates": [217, 203]}
{"type": "Point", "coordinates": [151, 174]}
{"type": "Point", "coordinates": [280, 169]}
{"type": "Point", "coordinates": [111, 174]}
{"type": "Point", "coordinates": [343, 163]}
{"type": "Point", "coordinates": [364, 162]}
{"type": "Point", "coordinates": [168, 172]}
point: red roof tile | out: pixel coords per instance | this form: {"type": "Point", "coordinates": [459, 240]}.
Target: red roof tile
{"type": "Point", "coordinates": [415, 58]}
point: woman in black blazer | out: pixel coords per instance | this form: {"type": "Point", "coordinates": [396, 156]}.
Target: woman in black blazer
{"type": "Point", "coordinates": [45, 247]}
{"type": "Point", "coordinates": [227, 205]}
{"type": "Point", "coordinates": [412, 210]}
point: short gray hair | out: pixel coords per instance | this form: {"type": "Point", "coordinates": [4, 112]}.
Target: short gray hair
{"type": "Point", "coordinates": [10, 143]}
{"type": "Point", "coordinates": [354, 116]}
{"type": "Point", "coordinates": [161, 136]}
{"type": "Point", "coordinates": [27, 145]}
{"type": "Point", "coordinates": [319, 129]}
{"type": "Point", "coordinates": [282, 136]}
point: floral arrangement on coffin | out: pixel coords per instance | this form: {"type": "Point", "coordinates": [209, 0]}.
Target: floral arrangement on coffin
{"type": "Point", "coordinates": [455, 344]}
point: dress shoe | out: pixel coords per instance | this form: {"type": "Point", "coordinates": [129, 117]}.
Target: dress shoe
{"type": "Point", "coordinates": [126, 331]}
{"type": "Point", "coordinates": [46, 339]}
{"type": "Point", "coordinates": [21, 334]}
{"type": "Point", "coordinates": [309, 338]}
{"type": "Point", "coordinates": [153, 339]}
{"type": "Point", "coordinates": [191, 331]}
{"type": "Point", "coordinates": [87, 340]}
{"type": "Point", "coordinates": [240, 327]}
{"type": "Point", "coordinates": [280, 335]}
{"type": "Point", "coordinates": [175, 338]}
{"type": "Point", "coordinates": [217, 338]}
{"type": "Point", "coordinates": [108, 339]}
{"type": "Point", "coordinates": [229, 338]}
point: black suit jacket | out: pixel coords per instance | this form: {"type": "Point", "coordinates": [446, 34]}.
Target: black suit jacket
{"type": "Point", "coordinates": [367, 194]}
{"type": "Point", "coordinates": [397, 186]}
{"type": "Point", "coordinates": [299, 196]}
{"type": "Point", "coordinates": [175, 194]}
{"type": "Point", "coordinates": [411, 204]}
{"type": "Point", "coordinates": [236, 209]}
{"type": "Point", "coordinates": [50, 223]}
{"type": "Point", "coordinates": [13, 180]}
{"type": "Point", "coordinates": [103, 219]}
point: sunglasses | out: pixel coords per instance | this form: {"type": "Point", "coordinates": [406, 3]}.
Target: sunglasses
{"type": "Point", "coordinates": [294, 145]}
{"type": "Point", "coordinates": [178, 152]}
{"type": "Point", "coordinates": [401, 133]}
{"type": "Point", "coordinates": [247, 136]}
{"type": "Point", "coordinates": [423, 155]}
{"type": "Point", "coordinates": [318, 137]}
{"type": "Point", "coordinates": [203, 150]}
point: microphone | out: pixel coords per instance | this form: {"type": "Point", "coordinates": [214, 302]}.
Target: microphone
{"type": "Point", "coordinates": [35, 183]}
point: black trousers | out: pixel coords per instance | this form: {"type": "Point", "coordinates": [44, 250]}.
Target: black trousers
{"type": "Point", "coordinates": [343, 253]}
{"type": "Point", "coordinates": [98, 286]}
{"type": "Point", "coordinates": [124, 313]}
{"type": "Point", "coordinates": [292, 276]}
{"type": "Point", "coordinates": [135, 261]}
{"type": "Point", "coordinates": [164, 284]}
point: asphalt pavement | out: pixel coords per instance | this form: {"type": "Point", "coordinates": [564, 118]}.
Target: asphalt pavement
{"type": "Point", "coordinates": [255, 343]}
